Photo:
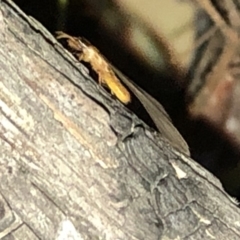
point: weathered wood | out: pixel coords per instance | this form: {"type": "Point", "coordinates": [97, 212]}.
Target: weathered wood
{"type": "Point", "coordinates": [72, 154]}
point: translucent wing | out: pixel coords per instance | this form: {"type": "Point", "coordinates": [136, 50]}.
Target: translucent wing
{"type": "Point", "coordinates": [157, 113]}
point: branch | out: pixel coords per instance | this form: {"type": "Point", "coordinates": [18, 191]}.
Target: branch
{"type": "Point", "coordinates": [62, 157]}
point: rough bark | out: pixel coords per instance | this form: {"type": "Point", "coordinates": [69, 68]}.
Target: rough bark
{"type": "Point", "coordinates": [71, 154]}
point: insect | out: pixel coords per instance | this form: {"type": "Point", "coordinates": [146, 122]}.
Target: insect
{"type": "Point", "coordinates": [84, 51]}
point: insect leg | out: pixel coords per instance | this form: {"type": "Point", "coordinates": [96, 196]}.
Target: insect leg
{"type": "Point", "coordinates": [79, 56]}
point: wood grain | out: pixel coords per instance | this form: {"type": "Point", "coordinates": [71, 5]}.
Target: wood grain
{"type": "Point", "coordinates": [70, 153]}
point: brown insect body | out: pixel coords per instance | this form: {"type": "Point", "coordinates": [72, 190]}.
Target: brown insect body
{"type": "Point", "coordinates": [84, 51]}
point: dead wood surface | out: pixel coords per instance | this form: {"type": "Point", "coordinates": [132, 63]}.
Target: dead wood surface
{"type": "Point", "coordinates": [63, 160]}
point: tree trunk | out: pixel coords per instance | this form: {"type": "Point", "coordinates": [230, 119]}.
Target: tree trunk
{"type": "Point", "coordinates": [73, 156]}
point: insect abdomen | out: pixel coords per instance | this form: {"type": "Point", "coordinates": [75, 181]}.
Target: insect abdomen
{"type": "Point", "coordinates": [117, 88]}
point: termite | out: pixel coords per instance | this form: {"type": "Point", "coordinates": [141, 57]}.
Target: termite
{"type": "Point", "coordinates": [85, 51]}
